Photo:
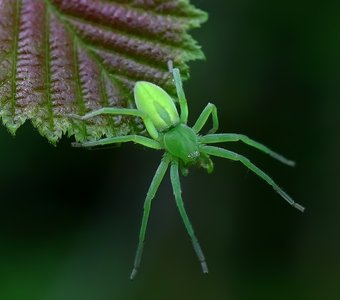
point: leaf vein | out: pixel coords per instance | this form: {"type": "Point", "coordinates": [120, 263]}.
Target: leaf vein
{"type": "Point", "coordinates": [79, 93]}
{"type": "Point", "coordinates": [48, 70]}
{"type": "Point", "coordinates": [18, 4]}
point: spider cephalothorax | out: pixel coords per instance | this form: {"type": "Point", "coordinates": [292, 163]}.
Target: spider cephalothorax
{"type": "Point", "coordinates": [183, 147]}
{"type": "Point", "coordinates": [182, 142]}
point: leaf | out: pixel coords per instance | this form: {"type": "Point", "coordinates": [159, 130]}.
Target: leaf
{"type": "Point", "coordinates": [73, 56]}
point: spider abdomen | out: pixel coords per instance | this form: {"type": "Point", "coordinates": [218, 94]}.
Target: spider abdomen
{"type": "Point", "coordinates": [156, 104]}
{"type": "Point", "coordinates": [181, 141]}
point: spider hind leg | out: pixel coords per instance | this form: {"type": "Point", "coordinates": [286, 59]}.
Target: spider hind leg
{"type": "Point", "coordinates": [176, 186]}
{"type": "Point", "coordinates": [156, 181]}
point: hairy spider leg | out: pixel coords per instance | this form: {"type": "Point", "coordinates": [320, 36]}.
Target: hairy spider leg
{"type": "Point", "coordinates": [210, 109]}
{"type": "Point", "coordinates": [219, 152]}
{"type": "Point", "coordinates": [176, 186]}
{"type": "Point", "coordinates": [180, 92]}
{"type": "Point", "coordinates": [156, 181]}
{"type": "Point", "coordinates": [137, 139]}
{"type": "Point", "coordinates": [121, 111]}
{"type": "Point", "coordinates": [234, 137]}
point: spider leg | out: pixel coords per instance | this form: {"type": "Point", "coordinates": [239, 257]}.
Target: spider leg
{"type": "Point", "coordinates": [176, 186]}
{"type": "Point", "coordinates": [233, 137]}
{"type": "Point", "coordinates": [109, 111]}
{"type": "Point", "coordinates": [156, 181]}
{"type": "Point", "coordinates": [215, 151]}
{"type": "Point", "coordinates": [210, 109]}
{"type": "Point", "coordinates": [180, 92]}
{"type": "Point", "coordinates": [147, 142]}
{"type": "Point", "coordinates": [120, 111]}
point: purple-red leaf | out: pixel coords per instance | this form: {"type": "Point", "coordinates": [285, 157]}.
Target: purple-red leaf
{"type": "Point", "coordinates": [73, 56]}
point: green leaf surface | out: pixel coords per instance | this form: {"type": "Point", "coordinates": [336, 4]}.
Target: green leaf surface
{"type": "Point", "coordinates": [73, 56]}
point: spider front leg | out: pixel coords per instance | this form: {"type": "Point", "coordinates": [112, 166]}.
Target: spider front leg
{"type": "Point", "coordinates": [137, 139]}
{"type": "Point", "coordinates": [210, 109]}
{"type": "Point", "coordinates": [219, 152]}
{"type": "Point", "coordinates": [176, 186]}
{"type": "Point", "coordinates": [233, 137]}
{"type": "Point", "coordinates": [121, 111]}
{"type": "Point", "coordinates": [109, 111]}
{"type": "Point", "coordinates": [156, 181]}
{"type": "Point", "coordinates": [180, 92]}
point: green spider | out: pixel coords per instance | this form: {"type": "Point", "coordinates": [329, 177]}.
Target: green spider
{"type": "Point", "coordinates": [183, 146]}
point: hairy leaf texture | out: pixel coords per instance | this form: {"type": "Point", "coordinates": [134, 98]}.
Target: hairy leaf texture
{"type": "Point", "coordinates": [73, 56]}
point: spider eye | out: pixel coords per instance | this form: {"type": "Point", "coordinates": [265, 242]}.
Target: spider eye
{"type": "Point", "coordinates": [194, 155]}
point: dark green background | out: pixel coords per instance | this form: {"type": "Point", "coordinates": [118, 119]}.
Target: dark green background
{"type": "Point", "coordinates": [69, 219]}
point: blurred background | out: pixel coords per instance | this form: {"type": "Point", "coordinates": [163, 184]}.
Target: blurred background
{"type": "Point", "coordinates": [69, 218]}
